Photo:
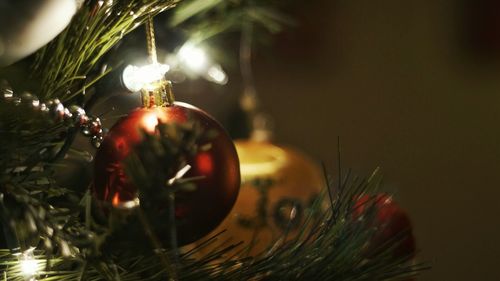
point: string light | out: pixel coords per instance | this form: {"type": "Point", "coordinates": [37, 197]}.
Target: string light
{"type": "Point", "coordinates": [194, 61]}
{"type": "Point", "coordinates": [136, 78]}
{"type": "Point", "coordinates": [190, 60]}
{"type": "Point", "coordinates": [29, 266]}
{"type": "Point", "coordinates": [216, 74]}
{"type": "Point", "coordinates": [193, 57]}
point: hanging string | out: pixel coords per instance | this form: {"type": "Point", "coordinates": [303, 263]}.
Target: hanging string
{"type": "Point", "coordinates": [249, 98]}
{"type": "Point", "coordinates": [161, 94]}
{"type": "Point", "coordinates": [150, 38]}
{"type": "Point", "coordinates": [260, 123]}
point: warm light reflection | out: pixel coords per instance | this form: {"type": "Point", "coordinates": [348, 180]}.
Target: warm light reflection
{"type": "Point", "coordinates": [125, 205]}
{"type": "Point", "coordinates": [149, 122]}
{"type": "Point", "coordinates": [116, 200]}
{"type": "Point", "coordinates": [204, 162]}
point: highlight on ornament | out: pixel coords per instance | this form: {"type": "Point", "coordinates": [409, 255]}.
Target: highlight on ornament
{"type": "Point", "coordinates": [260, 161]}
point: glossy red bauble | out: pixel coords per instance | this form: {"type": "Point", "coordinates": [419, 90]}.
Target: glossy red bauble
{"type": "Point", "coordinates": [197, 212]}
{"type": "Point", "coordinates": [390, 221]}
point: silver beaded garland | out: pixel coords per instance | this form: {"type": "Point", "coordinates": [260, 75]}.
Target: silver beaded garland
{"type": "Point", "coordinates": [27, 98]}
{"type": "Point", "coordinates": [56, 109]}
{"type": "Point", "coordinates": [96, 141]}
{"type": "Point", "coordinates": [73, 115]}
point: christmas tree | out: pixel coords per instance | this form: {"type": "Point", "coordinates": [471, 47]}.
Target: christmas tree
{"type": "Point", "coordinates": [169, 188]}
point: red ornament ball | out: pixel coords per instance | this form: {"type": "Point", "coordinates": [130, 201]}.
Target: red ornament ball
{"type": "Point", "coordinates": [217, 169]}
{"type": "Point", "coordinates": [391, 221]}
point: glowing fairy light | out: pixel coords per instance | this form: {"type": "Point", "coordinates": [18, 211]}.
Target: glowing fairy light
{"type": "Point", "coordinates": [193, 61]}
{"type": "Point", "coordinates": [29, 266]}
{"type": "Point", "coordinates": [136, 78]}
{"type": "Point", "coordinates": [216, 74]}
{"type": "Point", "coordinates": [194, 57]}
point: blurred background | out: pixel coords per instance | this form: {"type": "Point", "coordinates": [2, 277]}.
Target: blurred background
{"type": "Point", "coordinates": [412, 87]}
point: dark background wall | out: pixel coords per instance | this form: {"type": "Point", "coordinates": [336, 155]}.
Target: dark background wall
{"type": "Point", "coordinates": [394, 81]}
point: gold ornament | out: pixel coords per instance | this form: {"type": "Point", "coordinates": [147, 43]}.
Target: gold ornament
{"type": "Point", "coordinates": [278, 185]}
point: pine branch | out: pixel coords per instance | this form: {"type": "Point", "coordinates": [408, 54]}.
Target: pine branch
{"type": "Point", "coordinates": [27, 137]}
{"type": "Point", "coordinates": [333, 243]}
{"type": "Point", "coordinates": [63, 66]}
{"type": "Point", "coordinates": [328, 247]}
{"type": "Point", "coordinates": [202, 20]}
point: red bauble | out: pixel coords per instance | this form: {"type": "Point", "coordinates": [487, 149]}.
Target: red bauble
{"type": "Point", "coordinates": [196, 212]}
{"type": "Point", "coordinates": [391, 221]}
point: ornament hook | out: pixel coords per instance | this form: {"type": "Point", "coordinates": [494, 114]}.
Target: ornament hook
{"type": "Point", "coordinates": [157, 93]}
